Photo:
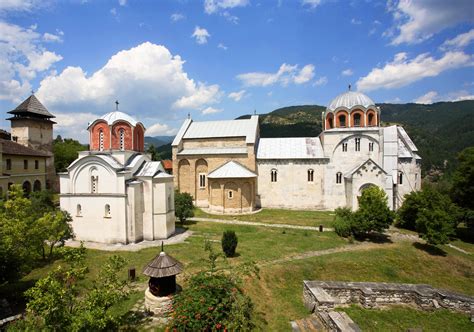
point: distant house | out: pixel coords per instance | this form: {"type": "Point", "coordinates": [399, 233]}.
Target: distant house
{"type": "Point", "coordinates": [228, 168]}
{"type": "Point", "coordinates": [26, 156]}
{"type": "Point", "coordinates": [168, 166]}
{"type": "Point", "coordinates": [114, 192]}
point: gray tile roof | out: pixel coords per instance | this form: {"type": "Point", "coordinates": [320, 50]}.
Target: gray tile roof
{"type": "Point", "coordinates": [13, 148]}
{"type": "Point", "coordinates": [290, 148]}
{"type": "Point", "coordinates": [32, 105]}
{"type": "Point", "coordinates": [150, 169]}
{"type": "Point", "coordinates": [212, 151]}
{"type": "Point", "coordinates": [231, 169]}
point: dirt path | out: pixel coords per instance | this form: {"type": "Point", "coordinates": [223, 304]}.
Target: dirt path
{"type": "Point", "coordinates": [254, 223]}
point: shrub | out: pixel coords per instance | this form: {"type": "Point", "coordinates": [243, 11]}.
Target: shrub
{"type": "Point", "coordinates": [183, 206]}
{"type": "Point", "coordinates": [229, 243]}
{"type": "Point", "coordinates": [342, 222]}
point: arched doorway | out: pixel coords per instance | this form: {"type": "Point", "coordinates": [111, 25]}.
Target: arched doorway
{"type": "Point", "coordinates": [364, 187]}
{"type": "Point", "coordinates": [37, 185]}
{"type": "Point", "coordinates": [27, 187]}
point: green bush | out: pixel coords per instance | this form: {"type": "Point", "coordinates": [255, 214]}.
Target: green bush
{"type": "Point", "coordinates": [229, 243]}
{"type": "Point", "coordinates": [183, 206]}
{"type": "Point", "coordinates": [342, 222]}
{"type": "Point", "coordinates": [211, 302]}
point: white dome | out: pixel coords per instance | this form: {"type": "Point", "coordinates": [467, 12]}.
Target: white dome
{"type": "Point", "coordinates": [116, 116]}
{"type": "Point", "coordinates": [350, 99]}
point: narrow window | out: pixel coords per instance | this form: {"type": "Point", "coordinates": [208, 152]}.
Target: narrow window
{"type": "Point", "coordinates": [101, 140]}
{"type": "Point", "coordinates": [169, 202]}
{"type": "Point", "coordinates": [357, 145]}
{"type": "Point", "coordinates": [94, 183]}
{"type": "Point", "coordinates": [371, 117]}
{"type": "Point", "coordinates": [371, 146]}
{"type": "Point", "coordinates": [230, 194]}
{"type": "Point", "coordinates": [36, 164]}
{"type": "Point", "coordinates": [344, 147]}
{"type": "Point", "coordinates": [330, 123]}
{"type": "Point", "coordinates": [357, 120]}
{"type": "Point", "coordinates": [339, 177]}
{"type": "Point", "coordinates": [310, 175]}
{"type": "Point", "coordinates": [78, 210]}
{"type": "Point", "coordinates": [107, 211]}
{"type": "Point", "coordinates": [9, 164]}
{"type": "Point", "coordinates": [342, 120]}
{"type": "Point", "coordinates": [122, 139]}
{"type": "Point", "coordinates": [274, 175]}
{"type": "Point", "coordinates": [400, 178]}
{"type": "Point", "coordinates": [202, 180]}
{"type": "Point", "coordinates": [25, 164]}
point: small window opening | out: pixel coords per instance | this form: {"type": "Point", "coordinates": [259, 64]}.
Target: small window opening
{"type": "Point", "coordinates": [230, 194]}
{"type": "Point", "coordinates": [9, 164]}
{"type": "Point", "coordinates": [274, 175]}
{"type": "Point", "coordinates": [310, 175]}
{"type": "Point", "coordinates": [371, 146]}
{"type": "Point", "coordinates": [371, 118]}
{"type": "Point", "coordinates": [79, 210]}
{"type": "Point", "coordinates": [202, 180]}
{"type": "Point", "coordinates": [101, 140]}
{"type": "Point", "coordinates": [357, 120]}
{"type": "Point", "coordinates": [342, 120]}
{"type": "Point", "coordinates": [107, 211]}
{"type": "Point", "coordinates": [94, 183]}
{"type": "Point", "coordinates": [357, 144]}
{"type": "Point", "coordinates": [339, 177]}
{"type": "Point", "coordinates": [122, 139]}
{"type": "Point", "coordinates": [400, 178]}
{"type": "Point", "coordinates": [344, 147]}
{"type": "Point", "coordinates": [25, 164]}
{"type": "Point", "coordinates": [36, 164]}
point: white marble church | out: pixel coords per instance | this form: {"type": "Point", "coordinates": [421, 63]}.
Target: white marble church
{"type": "Point", "coordinates": [228, 168]}
{"type": "Point", "coordinates": [114, 192]}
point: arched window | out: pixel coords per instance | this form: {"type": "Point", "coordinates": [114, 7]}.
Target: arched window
{"type": "Point", "coordinates": [357, 144]}
{"type": "Point", "coordinates": [230, 194]}
{"type": "Point", "coordinates": [78, 210]}
{"type": "Point", "coordinates": [94, 184]}
{"type": "Point", "coordinates": [122, 139]}
{"type": "Point", "coordinates": [310, 175]}
{"type": "Point", "coordinates": [37, 185]}
{"type": "Point", "coordinates": [27, 187]}
{"type": "Point", "coordinates": [357, 120]}
{"type": "Point", "coordinates": [370, 119]}
{"type": "Point", "coordinates": [344, 147]}
{"type": "Point", "coordinates": [342, 120]}
{"type": "Point", "coordinates": [107, 211]}
{"type": "Point", "coordinates": [338, 177]}
{"type": "Point", "coordinates": [273, 175]}
{"type": "Point", "coordinates": [400, 177]}
{"type": "Point", "coordinates": [101, 140]}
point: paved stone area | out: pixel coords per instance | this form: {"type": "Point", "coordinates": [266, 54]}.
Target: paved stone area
{"type": "Point", "coordinates": [179, 237]}
{"type": "Point", "coordinates": [254, 223]}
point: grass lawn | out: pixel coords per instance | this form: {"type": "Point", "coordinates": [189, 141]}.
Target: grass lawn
{"type": "Point", "coordinates": [279, 216]}
{"type": "Point", "coordinates": [277, 293]}
{"type": "Point", "coordinates": [401, 318]}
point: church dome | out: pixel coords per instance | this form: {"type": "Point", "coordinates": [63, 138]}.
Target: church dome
{"type": "Point", "coordinates": [350, 99]}
{"type": "Point", "coordinates": [112, 117]}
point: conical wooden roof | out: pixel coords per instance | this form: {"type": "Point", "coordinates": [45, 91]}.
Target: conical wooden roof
{"type": "Point", "coordinates": [32, 106]}
{"type": "Point", "coordinates": [163, 265]}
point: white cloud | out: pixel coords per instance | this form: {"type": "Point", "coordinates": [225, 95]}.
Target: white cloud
{"type": "Point", "coordinates": [122, 2]}
{"type": "Point", "coordinates": [401, 71]}
{"type": "Point", "coordinates": [201, 35]}
{"type": "Point", "coordinates": [311, 3]}
{"type": "Point", "coordinates": [222, 46]}
{"type": "Point", "coordinates": [73, 126]}
{"type": "Point", "coordinates": [49, 37]}
{"type": "Point", "coordinates": [347, 72]}
{"type": "Point", "coordinates": [22, 5]}
{"type": "Point", "coordinates": [356, 22]}
{"type": "Point", "coordinates": [22, 57]}
{"type": "Point", "coordinates": [427, 98]}
{"type": "Point", "coordinates": [460, 41]}
{"type": "Point", "coordinates": [323, 80]}
{"type": "Point", "coordinates": [215, 6]}
{"type": "Point", "coordinates": [305, 74]}
{"type": "Point", "coordinates": [286, 74]}
{"type": "Point", "coordinates": [146, 79]}
{"type": "Point", "coordinates": [237, 95]}
{"type": "Point", "coordinates": [418, 20]}
{"type": "Point", "coordinates": [210, 110]}
{"type": "Point", "coordinates": [113, 11]}
{"type": "Point", "coordinates": [159, 129]}
{"type": "Point", "coordinates": [177, 17]}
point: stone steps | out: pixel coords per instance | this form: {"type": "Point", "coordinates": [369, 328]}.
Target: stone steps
{"type": "Point", "coordinates": [308, 324]}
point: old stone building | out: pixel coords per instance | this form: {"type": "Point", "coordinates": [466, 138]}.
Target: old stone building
{"type": "Point", "coordinates": [228, 168]}
{"type": "Point", "coordinates": [26, 156]}
{"type": "Point", "coordinates": [114, 192]}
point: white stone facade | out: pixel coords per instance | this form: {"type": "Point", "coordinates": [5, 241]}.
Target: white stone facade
{"type": "Point", "coordinates": [118, 196]}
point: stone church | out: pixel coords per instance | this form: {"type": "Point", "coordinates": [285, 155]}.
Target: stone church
{"type": "Point", "coordinates": [114, 192]}
{"type": "Point", "coordinates": [228, 168]}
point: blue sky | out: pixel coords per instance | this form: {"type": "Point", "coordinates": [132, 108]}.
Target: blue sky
{"type": "Point", "coordinates": [219, 59]}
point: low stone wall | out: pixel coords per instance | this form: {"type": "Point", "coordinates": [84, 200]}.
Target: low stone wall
{"type": "Point", "coordinates": [325, 295]}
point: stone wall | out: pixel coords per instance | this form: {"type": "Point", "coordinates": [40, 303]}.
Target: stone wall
{"type": "Point", "coordinates": [325, 295]}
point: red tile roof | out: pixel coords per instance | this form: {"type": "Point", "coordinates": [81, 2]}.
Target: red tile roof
{"type": "Point", "coordinates": [10, 147]}
{"type": "Point", "coordinates": [167, 164]}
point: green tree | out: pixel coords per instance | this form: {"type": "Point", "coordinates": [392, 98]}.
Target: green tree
{"type": "Point", "coordinates": [155, 156]}
{"type": "Point", "coordinates": [229, 243]}
{"type": "Point", "coordinates": [57, 228]}
{"type": "Point", "coordinates": [183, 206]}
{"type": "Point", "coordinates": [463, 185]}
{"type": "Point", "coordinates": [65, 152]}
{"type": "Point", "coordinates": [373, 214]}
{"type": "Point", "coordinates": [60, 302]}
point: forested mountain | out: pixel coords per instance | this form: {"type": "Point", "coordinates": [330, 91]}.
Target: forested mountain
{"type": "Point", "coordinates": [439, 130]}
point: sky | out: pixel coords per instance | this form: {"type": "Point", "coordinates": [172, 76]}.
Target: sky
{"type": "Point", "coordinates": [219, 59]}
